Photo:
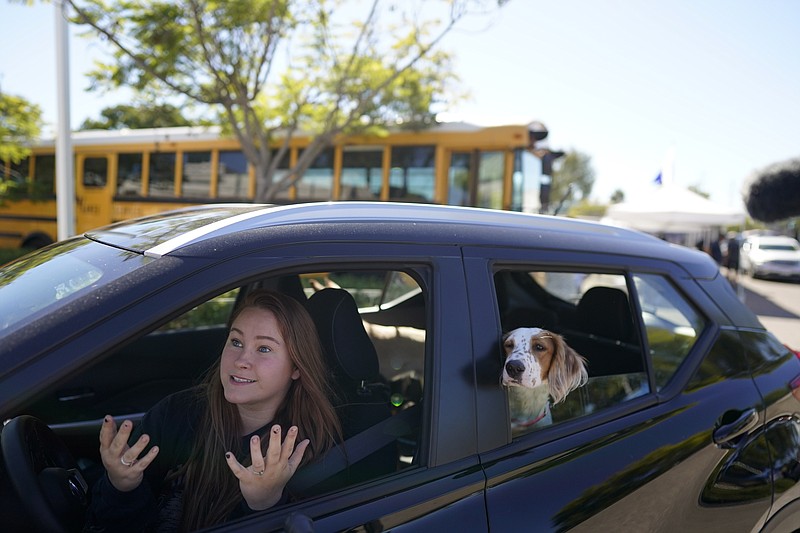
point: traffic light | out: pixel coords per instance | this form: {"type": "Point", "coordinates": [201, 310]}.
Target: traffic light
{"type": "Point", "coordinates": [547, 161]}
{"type": "Point", "coordinates": [545, 184]}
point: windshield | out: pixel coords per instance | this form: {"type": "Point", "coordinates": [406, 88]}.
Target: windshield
{"type": "Point", "coordinates": [57, 274]}
{"type": "Point", "coordinates": [779, 247]}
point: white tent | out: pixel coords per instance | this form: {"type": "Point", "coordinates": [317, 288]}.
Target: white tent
{"type": "Point", "coordinates": [669, 208]}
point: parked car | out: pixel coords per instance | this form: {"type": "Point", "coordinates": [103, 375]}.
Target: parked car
{"type": "Point", "coordinates": [689, 421]}
{"type": "Point", "coordinates": [771, 256]}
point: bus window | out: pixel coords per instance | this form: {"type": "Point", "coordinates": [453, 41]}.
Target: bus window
{"type": "Point", "coordinates": [23, 168]}
{"type": "Point", "coordinates": [196, 175]}
{"type": "Point", "coordinates": [95, 172]}
{"type": "Point", "coordinates": [162, 174]}
{"type": "Point", "coordinates": [458, 178]}
{"type": "Point", "coordinates": [280, 173]}
{"type": "Point", "coordinates": [14, 177]}
{"type": "Point", "coordinates": [233, 176]}
{"type": "Point", "coordinates": [490, 180]}
{"type": "Point", "coordinates": [525, 182]}
{"type": "Point", "coordinates": [44, 177]}
{"type": "Point", "coordinates": [517, 183]}
{"type": "Point", "coordinates": [412, 175]}
{"type": "Point", "coordinates": [362, 173]}
{"type": "Point", "coordinates": [317, 182]}
{"type": "Point", "coordinates": [129, 174]}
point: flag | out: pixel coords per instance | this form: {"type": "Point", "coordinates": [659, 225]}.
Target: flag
{"type": "Point", "coordinates": [665, 175]}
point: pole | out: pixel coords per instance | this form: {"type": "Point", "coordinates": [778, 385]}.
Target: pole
{"type": "Point", "coordinates": [65, 183]}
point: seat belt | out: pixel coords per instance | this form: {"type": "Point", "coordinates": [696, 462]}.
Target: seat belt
{"type": "Point", "coordinates": [356, 448]}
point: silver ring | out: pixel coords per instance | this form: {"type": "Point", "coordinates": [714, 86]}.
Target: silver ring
{"type": "Point", "coordinates": [122, 460]}
{"type": "Point", "coordinates": [260, 473]}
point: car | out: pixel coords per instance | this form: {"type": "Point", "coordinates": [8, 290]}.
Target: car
{"type": "Point", "coordinates": [689, 420]}
{"type": "Point", "coordinates": [771, 256]}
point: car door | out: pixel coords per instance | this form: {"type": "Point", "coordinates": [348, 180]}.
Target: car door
{"type": "Point", "coordinates": [442, 482]}
{"type": "Point", "coordinates": [638, 448]}
{"type": "Point", "coordinates": [445, 486]}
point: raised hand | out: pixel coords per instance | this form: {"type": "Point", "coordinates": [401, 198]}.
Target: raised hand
{"type": "Point", "coordinates": [124, 467]}
{"type": "Point", "coordinates": [262, 483]}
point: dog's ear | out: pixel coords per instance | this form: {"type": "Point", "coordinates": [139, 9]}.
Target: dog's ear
{"type": "Point", "coordinates": [567, 371]}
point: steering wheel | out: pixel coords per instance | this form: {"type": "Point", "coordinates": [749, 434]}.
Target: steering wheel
{"type": "Point", "coordinates": [44, 475]}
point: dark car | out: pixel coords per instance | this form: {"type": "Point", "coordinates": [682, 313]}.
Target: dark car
{"type": "Point", "coordinates": [689, 419]}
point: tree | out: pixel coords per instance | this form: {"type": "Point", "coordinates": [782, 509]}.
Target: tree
{"type": "Point", "coordinates": [698, 191]}
{"type": "Point", "coordinates": [574, 175]}
{"type": "Point", "coordinates": [587, 209]}
{"type": "Point", "coordinates": [138, 116]}
{"type": "Point", "coordinates": [20, 123]}
{"type": "Point", "coordinates": [618, 196]}
{"type": "Point", "coordinates": [278, 68]}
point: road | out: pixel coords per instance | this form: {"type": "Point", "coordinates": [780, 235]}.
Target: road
{"type": "Point", "coordinates": [777, 304]}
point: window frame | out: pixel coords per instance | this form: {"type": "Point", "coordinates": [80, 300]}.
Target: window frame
{"type": "Point", "coordinates": [483, 262]}
{"type": "Point", "coordinates": [449, 469]}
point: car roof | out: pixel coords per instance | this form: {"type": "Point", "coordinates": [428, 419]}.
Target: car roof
{"type": "Point", "coordinates": [174, 231]}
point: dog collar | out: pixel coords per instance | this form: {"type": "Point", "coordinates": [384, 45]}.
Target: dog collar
{"type": "Point", "coordinates": [534, 421]}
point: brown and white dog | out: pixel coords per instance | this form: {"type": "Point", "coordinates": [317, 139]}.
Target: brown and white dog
{"type": "Point", "coordinates": [538, 366]}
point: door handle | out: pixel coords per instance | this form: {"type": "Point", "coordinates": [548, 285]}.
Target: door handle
{"type": "Point", "coordinates": [727, 431]}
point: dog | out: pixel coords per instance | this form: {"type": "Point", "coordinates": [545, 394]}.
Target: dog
{"type": "Point", "coordinates": [538, 366]}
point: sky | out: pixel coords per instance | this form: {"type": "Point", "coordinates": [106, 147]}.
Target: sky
{"type": "Point", "coordinates": [709, 89]}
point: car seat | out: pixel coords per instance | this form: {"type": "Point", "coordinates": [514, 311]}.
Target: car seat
{"type": "Point", "coordinates": [362, 396]}
{"type": "Point", "coordinates": [606, 333]}
{"type": "Point", "coordinates": [605, 312]}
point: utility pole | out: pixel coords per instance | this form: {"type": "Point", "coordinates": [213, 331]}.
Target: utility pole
{"type": "Point", "coordinates": [65, 182]}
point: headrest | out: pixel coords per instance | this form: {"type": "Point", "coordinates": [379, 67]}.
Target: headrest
{"type": "Point", "coordinates": [605, 311]}
{"type": "Point", "coordinates": [347, 346]}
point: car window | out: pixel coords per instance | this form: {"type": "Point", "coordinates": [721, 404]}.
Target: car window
{"type": "Point", "coordinates": [672, 324]}
{"type": "Point", "coordinates": [390, 307]}
{"type": "Point", "coordinates": [212, 312]}
{"type": "Point", "coordinates": [593, 314]}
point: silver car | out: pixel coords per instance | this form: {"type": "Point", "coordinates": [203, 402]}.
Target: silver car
{"type": "Point", "coordinates": [771, 256]}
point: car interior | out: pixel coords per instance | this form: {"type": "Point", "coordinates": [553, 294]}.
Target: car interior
{"type": "Point", "coordinates": [593, 313]}
{"type": "Point", "coordinates": [373, 338]}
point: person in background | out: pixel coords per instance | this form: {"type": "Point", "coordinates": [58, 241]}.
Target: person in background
{"type": "Point", "coordinates": [228, 447]}
{"type": "Point", "coordinates": [716, 249]}
{"type": "Point", "coordinates": [732, 257]}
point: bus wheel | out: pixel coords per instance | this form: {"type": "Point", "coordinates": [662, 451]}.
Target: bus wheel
{"type": "Point", "coordinates": [36, 240]}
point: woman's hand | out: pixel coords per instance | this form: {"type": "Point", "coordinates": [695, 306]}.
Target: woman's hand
{"type": "Point", "coordinates": [262, 483]}
{"type": "Point", "coordinates": [125, 469]}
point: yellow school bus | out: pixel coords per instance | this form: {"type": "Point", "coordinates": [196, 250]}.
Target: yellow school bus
{"type": "Point", "coordinates": [129, 173]}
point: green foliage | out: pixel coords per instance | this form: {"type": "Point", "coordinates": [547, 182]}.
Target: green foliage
{"type": "Point", "coordinates": [584, 208]}
{"type": "Point", "coordinates": [137, 117]}
{"type": "Point", "coordinates": [574, 171]}
{"type": "Point", "coordinates": [697, 190]}
{"type": "Point", "coordinates": [275, 68]}
{"type": "Point", "coordinates": [214, 312]}
{"type": "Point", "coordinates": [20, 123]}
{"type": "Point", "coordinates": [9, 254]}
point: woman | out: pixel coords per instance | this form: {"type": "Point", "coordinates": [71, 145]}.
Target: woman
{"type": "Point", "coordinates": [216, 452]}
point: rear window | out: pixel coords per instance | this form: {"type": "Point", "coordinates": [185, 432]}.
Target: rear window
{"type": "Point", "coordinates": [778, 247]}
